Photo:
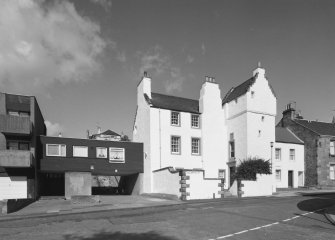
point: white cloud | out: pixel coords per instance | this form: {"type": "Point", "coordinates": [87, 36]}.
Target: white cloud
{"type": "Point", "coordinates": [53, 129]}
{"type": "Point", "coordinates": [203, 49]}
{"type": "Point", "coordinates": [42, 42]}
{"type": "Point", "coordinates": [121, 57]}
{"type": "Point", "coordinates": [106, 4]}
{"type": "Point", "coordinates": [154, 60]}
{"type": "Point", "coordinates": [176, 81]}
{"type": "Point", "coordinates": [189, 59]}
{"type": "Point", "coordinates": [157, 62]}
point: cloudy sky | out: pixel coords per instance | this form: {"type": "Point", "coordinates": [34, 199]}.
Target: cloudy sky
{"type": "Point", "coordinates": [83, 59]}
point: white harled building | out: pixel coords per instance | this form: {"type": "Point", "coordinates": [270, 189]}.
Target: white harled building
{"type": "Point", "coordinates": [191, 147]}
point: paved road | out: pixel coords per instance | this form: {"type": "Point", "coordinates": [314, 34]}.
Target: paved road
{"type": "Point", "coordinates": [263, 218]}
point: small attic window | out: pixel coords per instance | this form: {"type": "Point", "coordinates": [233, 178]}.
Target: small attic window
{"type": "Point", "coordinates": [236, 101]}
{"type": "Point", "coordinates": [259, 133]}
{"type": "Point", "coordinates": [252, 94]}
{"type": "Point", "coordinates": [263, 118]}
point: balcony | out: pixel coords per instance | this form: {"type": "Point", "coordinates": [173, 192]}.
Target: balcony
{"type": "Point", "coordinates": [15, 158]}
{"type": "Point", "coordinates": [17, 125]}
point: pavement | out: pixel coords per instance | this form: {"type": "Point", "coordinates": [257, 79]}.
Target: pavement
{"type": "Point", "coordinates": [59, 206]}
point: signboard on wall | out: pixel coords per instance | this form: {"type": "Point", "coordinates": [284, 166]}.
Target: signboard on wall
{"type": "Point", "coordinates": [116, 155]}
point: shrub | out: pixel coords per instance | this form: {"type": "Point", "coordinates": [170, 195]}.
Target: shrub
{"type": "Point", "coordinates": [248, 168]}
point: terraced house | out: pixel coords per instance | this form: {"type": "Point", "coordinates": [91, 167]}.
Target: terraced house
{"type": "Point", "coordinates": [319, 139]}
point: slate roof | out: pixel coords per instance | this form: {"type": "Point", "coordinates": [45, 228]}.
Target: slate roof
{"type": "Point", "coordinates": [321, 128]}
{"type": "Point", "coordinates": [238, 91]}
{"type": "Point", "coordinates": [107, 132]}
{"type": "Point", "coordinates": [173, 103]}
{"type": "Point", "coordinates": [110, 132]}
{"type": "Point", "coordinates": [284, 135]}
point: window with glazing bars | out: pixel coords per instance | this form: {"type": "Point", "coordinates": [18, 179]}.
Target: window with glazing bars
{"type": "Point", "coordinates": [196, 146]}
{"type": "Point", "coordinates": [175, 118]}
{"type": "Point", "coordinates": [175, 144]}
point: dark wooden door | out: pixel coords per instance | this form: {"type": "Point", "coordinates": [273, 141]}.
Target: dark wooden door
{"type": "Point", "coordinates": [290, 178]}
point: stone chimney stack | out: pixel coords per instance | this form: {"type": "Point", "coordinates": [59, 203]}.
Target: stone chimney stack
{"type": "Point", "coordinates": [210, 96]}
{"type": "Point", "coordinates": [289, 112]}
{"type": "Point", "coordinates": [259, 71]}
{"type": "Point", "coordinates": [144, 87]}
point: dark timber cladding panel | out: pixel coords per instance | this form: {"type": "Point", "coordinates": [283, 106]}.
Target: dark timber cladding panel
{"type": "Point", "coordinates": [101, 166]}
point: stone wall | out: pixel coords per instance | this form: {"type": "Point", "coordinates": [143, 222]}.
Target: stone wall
{"type": "Point", "coordinates": [324, 160]}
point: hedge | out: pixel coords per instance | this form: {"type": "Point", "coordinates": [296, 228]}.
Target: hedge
{"type": "Point", "coordinates": [248, 168]}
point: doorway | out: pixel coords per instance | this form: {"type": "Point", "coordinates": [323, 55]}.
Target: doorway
{"type": "Point", "coordinates": [300, 179]}
{"type": "Point", "coordinates": [52, 184]}
{"type": "Point", "coordinates": [290, 179]}
{"type": "Point", "coordinates": [232, 171]}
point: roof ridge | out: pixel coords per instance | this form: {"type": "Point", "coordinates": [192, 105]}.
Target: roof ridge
{"type": "Point", "coordinates": [315, 121]}
{"type": "Point", "coordinates": [295, 120]}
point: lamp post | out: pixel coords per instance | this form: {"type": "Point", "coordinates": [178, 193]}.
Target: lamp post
{"type": "Point", "coordinates": [271, 144]}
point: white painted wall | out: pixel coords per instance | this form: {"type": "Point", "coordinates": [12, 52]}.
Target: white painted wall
{"type": "Point", "coordinates": [258, 144]}
{"type": "Point", "coordinates": [261, 104]}
{"type": "Point", "coordinates": [285, 164]}
{"type": "Point", "coordinates": [201, 188]}
{"type": "Point", "coordinates": [141, 133]}
{"type": "Point", "coordinates": [161, 131]}
{"type": "Point", "coordinates": [261, 187]}
{"type": "Point", "coordinates": [213, 128]}
{"type": "Point", "coordinates": [166, 182]}
{"type": "Point", "coordinates": [13, 187]}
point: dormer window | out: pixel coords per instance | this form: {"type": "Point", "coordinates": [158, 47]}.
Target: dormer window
{"type": "Point", "coordinates": [195, 121]}
{"type": "Point", "coordinates": [175, 118]}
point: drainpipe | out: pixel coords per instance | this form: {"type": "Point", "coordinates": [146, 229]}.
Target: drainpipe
{"type": "Point", "coordinates": [160, 142]}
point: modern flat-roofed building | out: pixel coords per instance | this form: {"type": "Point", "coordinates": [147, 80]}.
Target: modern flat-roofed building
{"type": "Point", "coordinates": [72, 166]}
{"type": "Point", "coordinates": [21, 122]}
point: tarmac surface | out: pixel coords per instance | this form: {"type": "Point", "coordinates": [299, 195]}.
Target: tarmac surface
{"type": "Point", "coordinates": [298, 216]}
{"type": "Point", "coordinates": [58, 205]}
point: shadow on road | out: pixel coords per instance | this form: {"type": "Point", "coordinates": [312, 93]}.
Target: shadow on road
{"type": "Point", "coordinates": [121, 236]}
{"type": "Point", "coordinates": [317, 205]}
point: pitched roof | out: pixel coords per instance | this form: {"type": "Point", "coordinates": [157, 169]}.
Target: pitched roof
{"type": "Point", "coordinates": [107, 132]}
{"type": "Point", "coordinates": [321, 128]}
{"type": "Point", "coordinates": [110, 132]}
{"type": "Point", "coordinates": [238, 91]}
{"type": "Point", "coordinates": [284, 135]}
{"type": "Point", "coordinates": [173, 103]}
